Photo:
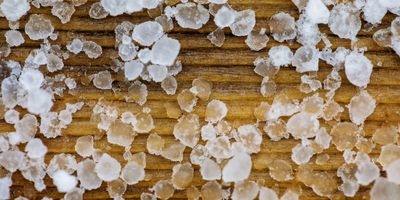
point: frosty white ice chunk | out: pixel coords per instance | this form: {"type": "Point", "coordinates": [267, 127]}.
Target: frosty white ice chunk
{"type": "Point", "coordinates": [345, 21]}
{"type": "Point", "coordinates": [165, 51]}
{"type": "Point", "coordinates": [384, 190]}
{"type": "Point", "coordinates": [358, 69]}
{"type": "Point", "coordinates": [216, 110]}
{"type": "Point", "coordinates": [393, 172]}
{"type": "Point", "coordinates": [14, 38]}
{"type": "Point", "coordinates": [224, 17]}
{"type": "Point", "coordinates": [390, 4]}
{"type": "Point", "coordinates": [13, 10]}
{"type": "Point", "coordinates": [87, 176]}
{"type": "Point", "coordinates": [144, 55]}
{"type": "Point", "coordinates": [12, 160]}
{"type": "Point", "coordinates": [133, 69]}
{"type": "Point", "coordinates": [280, 55]}
{"type": "Point", "coordinates": [147, 33]}
{"type": "Point", "coordinates": [187, 130]}
{"type": "Point", "coordinates": [107, 168]}
{"type": "Point", "coordinates": [63, 11]}
{"type": "Point", "coordinates": [282, 27]}
{"type": "Point", "coordinates": [210, 170]}
{"type": "Point", "coordinates": [366, 172]}
{"type": "Point", "coordinates": [302, 154]}
{"type": "Point", "coordinates": [132, 173]}
{"type": "Point", "coordinates": [114, 7]}
{"type": "Point", "coordinates": [306, 59]}
{"type": "Point", "coordinates": [157, 72]}
{"type": "Point", "coordinates": [361, 106]}
{"type": "Point", "coordinates": [9, 89]}
{"type": "Point", "coordinates": [308, 33]}
{"type": "Point", "coordinates": [374, 12]}
{"type": "Point", "coordinates": [97, 11]}
{"type": "Point", "coordinates": [84, 146]}
{"type": "Point", "coordinates": [54, 63]}
{"type": "Point", "coordinates": [31, 79]}
{"type": "Point", "coordinates": [149, 4]}
{"type": "Point", "coordinates": [237, 169]}
{"type": "Point", "coordinates": [251, 138]}
{"type": "Point", "coordinates": [103, 80]}
{"type": "Point", "coordinates": [267, 194]}
{"type": "Point", "coordinates": [75, 46]}
{"type": "Point", "coordinates": [38, 27]}
{"type": "Point", "coordinates": [39, 101]}
{"type": "Point", "coordinates": [11, 116]}
{"type": "Point", "coordinates": [35, 148]}
{"type": "Point", "coordinates": [317, 12]}
{"type": "Point", "coordinates": [302, 125]}
{"type": "Point", "coordinates": [127, 51]}
{"type": "Point", "coordinates": [5, 184]}
{"type": "Point", "coordinates": [91, 49]}
{"type": "Point", "coordinates": [64, 181]}
{"type": "Point", "coordinates": [257, 40]}
{"type": "Point", "coordinates": [191, 15]}
{"type": "Point", "coordinates": [244, 23]}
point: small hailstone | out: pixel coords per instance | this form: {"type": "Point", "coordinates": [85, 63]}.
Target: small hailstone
{"type": "Point", "coordinates": [384, 190]}
{"type": "Point", "coordinates": [91, 49]}
{"type": "Point", "coordinates": [192, 193]}
{"type": "Point", "coordinates": [14, 38]}
{"type": "Point", "coordinates": [150, 4]}
{"type": "Point", "coordinates": [107, 168]}
{"type": "Point", "coordinates": [31, 79]}
{"type": "Point", "coordinates": [191, 15]}
{"type": "Point", "coordinates": [38, 27]}
{"type": "Point", "coordinates": [64, 162]}
{"type": "Point", "coordinates": [282, 27]}
{"type": "Point", "coordinates": [97, 11]}
{"type": "Point", "coordinates": [263, 67]}
{"type": "Point", "coordinates": [251, 138]}
{"type": "Point", "coordinates": [302, 154]}
{"type": "Point", "coordinates": [187, 130]}
{"type": "Point", "coordinates": [133, 69]}
{"type": "Point", "coordinates": [302, 125]}
{"type": "Point", "coordinates": [323, 139]}
{"type": "Point", "coordinates": [367, 172]}
{"type": "Point", "coordinates": [35, 148]}
{"type": "Point", "coordinates": [246, 190]}
{"type": "Point", "coordinates": [12, 160]}
{"type": "Point", "coordinates": [257, 40]}
{"type": "Point", "coordinates": [268, 87]}
{"type": "Point", "coordinates": [144, 55]}
{"type": "Point", "coordinates": [84, 146]}
{"type": "Point", "coordinates": [182, 175]}
{"type": "Point", "coordinates": [224, 17]}
{"type": "Point", "coordinates": [157, 72]}
{"type": "Point", "coordinates": [276, 129]}
{"type": "Point", "coordinates": [389, 4]}
{"type": "Point", "coordinates": [165, 51]}
{"type": "Point", "coordinates": [216, 110]}
{"type": "Point", "coordinates": [358, 69]}
{"type": "Point", "coordinates": [306, 59]}
{"type": "Point", "coordinates": [361, 106]}
{"type": "Point", "coordinates": [393, 172]}
{"type": "Point", "coordinates": [103, 80]}
{"type": "Point", "coordinates": [64, 181]}
{"type": "Point", "coordinates": [13, 10]}
{"type": "Point", "coordinates": [187, 100]}
{"type": "Point", "coordinates": [54, 63]}
{"type": "Point", "coordinates": [166, 22]}
{"type": "Point", "coordinates": [11, 116]}
{"type": "Point", "coordinates": [210, 170]}
{"type": "Point", "coordinates": [173, 151]}
{"type": "Point", "coordinates": [389, 153]}
{"type": "Point", "coordinates": [212, 190]}
{"type": "Point", "coordinates": [344, 20]}
{"type": "Point", "coordinates": [128, 118]}
{"type": "Point", "coordinates": [76, 193]}
{"type": "Point", "coordinates": [169, 85]}
{"type": "Point", "coordinates": [208, 132]}
{"type": "Point", "coordinates": [114, 7]}
{"type": "Point", "coordinates": [198, 154]}
{"type": "Point", "coordinates": [244, 23]}
{"type": "Point", "coordinates": [120, 134]}
{"type": "Point", "coordinates": [383, 37]}
{"type": "Point", "coordinates": [217, 37]}
{"type": "Point", "coordinates": [116, 188]}
{"type": "Point", "coordinates": [344, 135]}
{"type": "Point", "coordinates": [63, 11]}
{"type": "Point", "coordinates": [317, 12]}
{"type": "Point", "coordinates": [331, 110]}
{"type": "Point", "coordinates": [155, 144]}
{"type": "Point", "coordinates": [39, 101]}
{"type": "Point", "coordinates": [201, 88]}
{"type": "Point", "coordinates": [127, 51]}
{"type": "Point", "coordinates": [373, 12]}
{"type": "Point", "coordinates": [87, 176]}
{"type": "Point", "coordinates": [147, 33]}
{"type": "Point", "coordinates": [75, 46]}
{"type": "Point", "coordinates": [385, 135]}
{"type": "Point", "coordinates": [132, 173]}
{"type": "Point", "coordinates": [267, 194]}
{"type": "Point", "coordinates": [163, 189]}
{"type": "Point", "coordinates": [280, 55]}
{"type": "Point", "coordinates": [237, 169]}
{"type": "Point", "coordinates": [137, 93]}
{"type": "Point", "coordinates": [309, 34]}
{"type": "Point", "coordinates": [144, 123]}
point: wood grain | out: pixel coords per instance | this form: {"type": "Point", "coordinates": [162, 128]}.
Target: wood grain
{"type": "Point", "coordinates": [229, 68]}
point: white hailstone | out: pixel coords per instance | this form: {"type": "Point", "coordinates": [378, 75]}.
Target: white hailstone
{"type": "Point", "coordinates": [187, 130]}
{"type": "Point", "coordinates": [323, 139]}
{"type": "Point", "coordinates": [14, 38]}
{"type": "Point", "coordinates": [302, 125]}
{"type": "Point", "coordinates": [367, 172]}
{"type": "Point", "coordinates": [40, 58]}
{"type": "Point", "coordinates": [107, 168]}
{"type": "Point", "coordinates": [191, 15]}
{"type": "Point", "coordinates": [137, 93]}
{"type": "Point", "coordinates": [224, 17]}
{"type": "Point", "coordinates": [25, 129]}
{"type": "Point", "coordinates": [384, 190]}
{"type": "Point", "coordinates": [11, 116]}
{"type": "Point", "coordinates": [374, 12]}
{"type": "Point", "coordinates": [244, 23]}
{"type": "Point", "coordinates": [358, 69]}
{"type": "Point", "coordinates": [54, 63]}
{"type": "Point", "coordinates": [245, 190]}
{"type": "Point", "coordinates": [302, 154]}
{"type": "Point", "coordinates": [349, 187]}
{"type": "Point", "coordinates": [144, 55]}
{"type": "Point", "coordinates": [38, 27]}
{"type": "Point", "coordinates": [182, 175]}
{"type": "Point", "coordinates": [120, 133]}
{"type": "Point", "coordinates": [132, 173]}
{"type": "Point", "coordinates": [9, 88]}
{"type": "Point", "coordinates": [317, 12]}
{"type": "Point", "coordinates": [35, 148]}
{"type": "Point", "coordinates": [65, 162]}
{"type": "Point", "coordinates": [210, 170]}
{"type": "Point", "coordinates": [75, 46]}
{"type": "Point", "coordinates": [267, 194]}
{"type": "Point", "coordinates": [97, 11]}
{"type": "Point", "coordinates": [157, 72]}
{"type": "Point", "coordinates": [91, 49]}
{"type": "Point", "coordinates": [393, 172]}
{"type": "Point", "coordinates": [13, 10]}
{"type": "Point", "coordinates": [165, 51]}
{"type": "Point", "coordinates": [64, 181]}
{"type": "Point", "coordinates": [173, 151]}
{"type": "Point", "coordinates": [257, 40]}
{"type": "Point", "coordinates": [147, 33]}
{"type": "Point", "coordinates": [12, 160]}
{"type": "Point", "coordinates": [251, 137]}
{"type": "Point", "coordinates": [208, 132]}
{"type": "Point", "coordinates": [31, 79]}
{"type": "Point", "coordinates": [306, 59]}
{"type": "Point", "coordinates": [149, 4]}
{"type": "Point", "coordinates": [280, 55]}
{"type": "Point", "coordinates": [238, 168]}
{"type": "Point", "coordinates": [70, 83]}
{"type": "Point", "coordinates": [128, 118]}
{"type": "Point", "coordinates": [63, 11]}
{"type": "Point", "coordinates": [39, 101]}
{"type": "Point", "coordinates": [87, 176]}
{"type": "Point", "coordinates": [133, 6]}
{"type": "Point", "coordinates": [5, 184]}
{"type": "Point", "coordinates": [344, 20]}
{"type": "Point", "coordinates": [114, 7]}
{"type": "Point", "coordinates": [133, 69]}
{"type": "Point", "coordinates": [84, 146]}
{"type": "Point", "coordinates": [103, 80]}
{"type": "Point", "coordinates": [361, 106]}
{"type": "Point", "coordinates": [282, 27]}
{"type": "Point", "coordinates": [309, 34]}
{"type": "Point", "coordinates": [390, 4]}
{"type": "Point", "coordinates": [155, 144]}
{"type": "Point", "coordinates": [198, 154]}
{"type": "Point", "coordinates": [127, 51]}
{"type": "Point", "coordinates": [169, 85]}
{"type": "Point", "coordinates": [216, 110]}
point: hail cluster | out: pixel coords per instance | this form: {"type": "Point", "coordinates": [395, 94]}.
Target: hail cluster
{"type": "Point", "coordinates": [225, 153]}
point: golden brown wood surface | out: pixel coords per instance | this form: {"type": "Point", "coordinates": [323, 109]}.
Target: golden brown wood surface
{"type": "Point", "coordinates": [229, 68]}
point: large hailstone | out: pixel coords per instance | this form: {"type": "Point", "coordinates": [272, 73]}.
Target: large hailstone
{"type": "Point", "coordinates": [224, 17]}
{"type": "Point", "coordinates": [13, 10]}
{"type": "Point", "coordinates": [38, 27]}
{"type": "Point", "coordinates": [358, 69]}
{"type": "Point", "coordinates": [361, 106]}
{"type": "Point", "coordinates": [238, 168]}
{"type": "Point", "coordinates": [165, 51]}
{"type": "Point", "coordinates": [306, 59]}
{"type": "Point", "coordinates": [147, 33]}
{"type": "Point", "coordinates": [39, 101]}
{"type": "Point", "coordinates": [345, 21]}
{"type": "Point", "coordinates": [114, 7]}
{"type": "Point", "coordinates": [107, 168]}
{"type": "Point", "coordinates": [191, 15]}
{"type": "Point", "coordinates": [317, 12]}
{"type": "Point", "coordinates": [244, 23]}
{"type": "Point", "coordinates": [374, 11]}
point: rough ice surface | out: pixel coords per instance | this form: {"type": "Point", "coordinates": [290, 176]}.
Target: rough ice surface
{"type": "Point", "coordinates": [63, 11]}
{"type": "Point", "coordinates": [344, 135]}
{"type": "Point", "coordinates": [257, 40]}
{"type": "Point", "coordinates": [169, 85]}
{"type": "Point", "coordinates": [64, 181]}
{"type": "Point", "coordinates": [280, 55]}
{"type": "Point", "coordinates": [91, 49]}
{"type": "Point", "coordinates": [210, 170]}
{"type": "Point", "coordinates": [38, 27]}
{"type": "Point", "coordinates": [250, 137]}
{"type": "Point", "coordinates": [13, 10]}
{"type": "Point", "coordinates": [137, 93]}
{"type": "Point", "coordinates": [147, 33]}
{"type": "Point", "coordinates": [35, 148]}
{"type": "Point", "coordinates": [163, 189]}
{"type": "Point", "coordinates": [187, 100]}
{"type": "Point", "coordinates": [384, 189]}
{"type": "Point", "coordinates": [103, 80]}
{"type": "Point", "coordinates": [237, 169]}
{"type": "Point", "coordinates": [84, 146]}
{"type": "Point", "coordinates": [191, 15]}
{"type": "Point", "coordinates": [358, 69]}
{"type": "Point", "coordinates": [87, 176]}
{"type": "Point", "coordinates": [201, 88]}
{"type": "Point", "coordinates": [114, 7]}
{"type": "Point", "coordinates": [165, 51]}
{"type": "Point", "coordinates": [302, 154]}
{"type": "Point", "coordinates": [344, 20]}
{"type": "Point", "coordinates": [244, 23]}
{"type": "Point", "coordinates": [224, 17]}
{"type": "Point", "coordinates": [367, 172]}
{"type": "Point", "coordinates": [217, 37]}
{"type": "Point", "coordinates": [182, 175]}
{"type": "Point", "coordinates": [317, 12]}
{"type": "Point", "coordinates": [187, 130]}
{"type": "Point", "coordinates": [393, 172]}
{"type": "Point", "coordinates": [361, 106]}
{"type": "Point", "coordinates": [107, 168]}
{"type": "Point", "coordinates": [216, 110]}
{"type": "Point", "coordinates": [267, 194]}
{"type": "Point", "coordinates": [132, 173]}
{"type": "Point", "coordinates": [282, 27]}
{"type": "Point", "coordinates": [305, 59]}
{"type": "Point", "coordinates": [302, 125]}
{"type": "Point", "coordinates": [97, 11]}
{"type": "Point", "coordinates": [157, 72]}
{"type": "Point", "coordinates": [14, 38]}
{"type": "Point", "coordinates": [245, 190]}
{"type": "Point", "coordinates": [373, 11]}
